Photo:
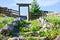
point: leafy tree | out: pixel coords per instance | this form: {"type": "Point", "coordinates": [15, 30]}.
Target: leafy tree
{"type": "Point", "coordinates": [35, 9]}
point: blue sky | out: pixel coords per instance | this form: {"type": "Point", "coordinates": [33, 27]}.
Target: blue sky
{"type": "Point", "coordinates": [49, 5]}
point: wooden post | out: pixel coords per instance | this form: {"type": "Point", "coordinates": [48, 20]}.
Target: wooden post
{"type": "Point", "coordinates": [19, 11]}
{"type": "Point", "coordinates": [28, 14]}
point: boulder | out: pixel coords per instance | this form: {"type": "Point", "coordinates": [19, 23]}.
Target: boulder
{"type": "Point", "coordinates": [14, 38]}
{"type": "Point", "coordinates": [57, 37]}
{"type": "Point", "coordinates": [44, 38]}
{"type": "Point", "coordinates": [9, 27]}
{"type": "Point", "coordinates": [5, 32]}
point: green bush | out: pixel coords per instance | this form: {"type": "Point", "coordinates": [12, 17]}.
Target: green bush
{"type": "Point", "coordinates": [34, 23]}
{"type": "Point", "coordinates": [35, 26]}
{"type": "Point", "coordinates": [21, 33]}
{"type": "Point", "coordinates": [21, 23]}
{"type": "Point", "coordinates": [53, 19]}
{"type": "Point", "coordinates": [21, 27]}
{"type": "Point", "coordinates": [24, 29]}
{"type": "Point", "coordinates": [42, 34]}
{"type": "Point", "coordinates": [11, 33]}
{"type": "Point", "coordinates": [51, 34]}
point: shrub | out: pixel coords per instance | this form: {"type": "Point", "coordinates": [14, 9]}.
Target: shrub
{"type": "Point", "coordinates": [58, 31]}
{"type": "Point", "coordinates": [24, 29]}
{"type": "Point", "coordinates": [42, 34]}
{"type": "Point", "coordinates": [52, 33]}
{"type": "Point", "coordinates": [53, 19]}
{"type": "Point", "coordinates": [21, 27]}
{"type": "Point", "coordinates": [35, 26]}
{"type": "Point", "coordinates": [11, 33]}
{"type": "Point", "coordinates": [21, 23]}
{"type": "Point", "coordinates": [21, 33]}
{"type": "Point", "coordinates": [34, 23]}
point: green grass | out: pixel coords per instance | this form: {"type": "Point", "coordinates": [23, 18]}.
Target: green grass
{"type": "Point", "coordinates": [5, 20]}
{"type": "Point", "coordinates": [53, 19]}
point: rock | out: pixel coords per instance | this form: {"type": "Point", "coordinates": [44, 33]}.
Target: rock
{"type": "Point", "coordinates": [5, 32]}
{"type": "Point", "coordinates": [57, 37]}
{"type": "Point", "coordinates": [45, 29]}
{"type": "Point", "coordinates": [21, 37]}
{"type": "Point", "coordinates": [27, 25]}
{"type": "Point", "coordinates": [42, 21]}
{"type": "Point", "coordinates": [14, 23]}
{"type": "Point", "coordinates": [44, 38]}
{"type": "Point", "coordinates": [9, 27]}
{"type": "Point", "coordinates": [44, 25]}
{"type": "Point", "coordinates": [14, 38]}
{"type": "Point", "coordinates": [49, 25]}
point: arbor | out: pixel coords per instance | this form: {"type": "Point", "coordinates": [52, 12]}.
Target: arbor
{"type": "Point", "coordinates": [35, 9]}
